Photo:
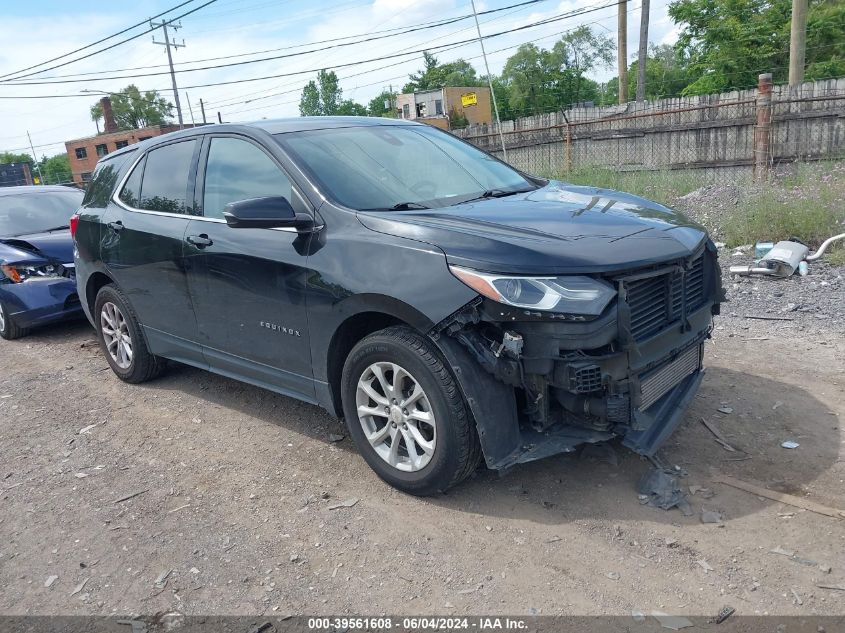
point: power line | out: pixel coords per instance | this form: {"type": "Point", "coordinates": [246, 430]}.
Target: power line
{"type": "Point", "coordinates": [412, 29]}
{"type": "Point", "coordinates": [100, 41]}
{"type": "Point", "coordinates": [102, 50]}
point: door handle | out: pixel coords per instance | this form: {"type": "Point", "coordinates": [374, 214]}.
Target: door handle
{"type": "Point", "coordinates": [116, 226]}
{"type": "Point", "coordinates": [200, 241]}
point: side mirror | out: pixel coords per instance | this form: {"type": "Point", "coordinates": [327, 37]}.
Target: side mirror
{"type": "Point", "coordinates": [272, 212]}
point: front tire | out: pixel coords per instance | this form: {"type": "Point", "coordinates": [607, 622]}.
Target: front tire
{"type": "Point", "coordinates": [121, 338]}
{"type": "Point", "coordinates": [8, 329]}
{"type": "Point", "coordinates": [406, 414]}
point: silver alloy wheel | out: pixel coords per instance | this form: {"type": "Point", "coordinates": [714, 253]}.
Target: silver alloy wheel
{"type": "Point", "coordinates": [396, 416]}
{"type": "Point", "coordinates": [116, 335]}
{"type": "Point", "coordinates": [2, 319]}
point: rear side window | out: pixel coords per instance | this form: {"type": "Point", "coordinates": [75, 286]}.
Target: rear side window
{"type": "Point", "coordinates": [238, 170]}
{"type": "Point", "coordinates": [104, 180]}
{"type": "Point", "coordinates": [130, 195]}
{"type": "Point", "coordinates": [160, 181]}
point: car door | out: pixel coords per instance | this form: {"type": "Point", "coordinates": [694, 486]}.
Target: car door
{"type": "Point", "coordinates": [143, 246]}
{"type": "Point", "coordinates": [247, 284]}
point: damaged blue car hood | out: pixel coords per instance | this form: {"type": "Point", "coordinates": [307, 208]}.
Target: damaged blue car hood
{"type": "Point", "coordinates": [558, 228]}
{"type": "Point", "coordinates": [56, 246]}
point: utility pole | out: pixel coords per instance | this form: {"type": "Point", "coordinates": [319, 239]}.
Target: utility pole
{"type": "Point", "coordinates": [622, 48]}
{"type": "Point", "coordinates": [190, 109]}
{"type": "Point", "coordinates": [167, 43]}
{"type": "Point", "coordinates": [643, 54]}
{"type": "Point", "coordinates": [35, 159]}
{"type": "Point", "coordinates": [202, 109]}
{"type": "Point", "coordinates": [798, 42]}
{"type": "Point", "coordinates": [490, 83]}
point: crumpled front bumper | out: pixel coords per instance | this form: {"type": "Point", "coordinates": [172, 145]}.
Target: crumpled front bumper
{"type": "Point", "coordinates": [40, 301]}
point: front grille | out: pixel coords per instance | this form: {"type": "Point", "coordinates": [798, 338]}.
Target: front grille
{"type": "Point", "coordinates": [657, 302]}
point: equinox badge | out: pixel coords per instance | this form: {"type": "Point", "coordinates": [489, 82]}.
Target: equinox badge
{"type": "Point", "coordinates": [279, 328]}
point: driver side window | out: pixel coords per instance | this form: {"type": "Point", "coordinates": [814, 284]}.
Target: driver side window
{"type": "Point", "coordinates": [238, 170]}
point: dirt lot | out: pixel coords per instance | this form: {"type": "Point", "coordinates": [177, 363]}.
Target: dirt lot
{"type": "Point", "coordinates": [237, 487]}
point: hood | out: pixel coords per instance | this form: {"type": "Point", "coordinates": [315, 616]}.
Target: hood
{"type": "Point", "coordinates": [54, 246]}
{"type": "Point", "coordinates": [558, 228]}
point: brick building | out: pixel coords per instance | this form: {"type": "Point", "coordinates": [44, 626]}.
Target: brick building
{"type": "Point", "coordinates": [83, 153]}
{"type": "Point", "coordinates": [438, 107]}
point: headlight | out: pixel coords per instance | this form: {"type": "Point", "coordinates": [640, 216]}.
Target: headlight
{"type": "Point", "coordinates": [17, 273]}
{"type": "Point", "coordinates": [569, 295]}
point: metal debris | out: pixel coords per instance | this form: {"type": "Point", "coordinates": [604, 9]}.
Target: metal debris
{"type": "Point", "coordinates": [50, 580]}
{"type": "Point", "coordinates": [161, 580]}
{"type": "Point", "coordinates": [790, 444]}
{"type": "Point", "coordinates": [725, 410]}
{"type": "Point", "coordinates": [130, 496]}
{"type": "Point", "coordinates": [348, 503]}
{"type": "Point", "coordinates": [660, 489]}
{"type": "Point", "coordinates": [673, 622]}
{"type": "Point", "coordinates": [723, 615]}
{"type": "Point", "coordinates": [79, 587]}
{"type": "Point", "coordinates": [704, 564]}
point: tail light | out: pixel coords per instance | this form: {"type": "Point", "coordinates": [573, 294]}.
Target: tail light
{"type": "Point", "coordinates": [74, 222]}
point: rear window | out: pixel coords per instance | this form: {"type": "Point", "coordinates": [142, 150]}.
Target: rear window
{"type": "Point", "coordinates": [35, 212]}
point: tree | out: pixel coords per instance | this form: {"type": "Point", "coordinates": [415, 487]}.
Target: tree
{"type": "Point", "coordinates": [730, 42]}
{"type": "Point", "coordinates": [435, 75]}
{"type": "Point", "coordinates": [575, 54]}
{"type": "Point", "coordinates": [528, 76]}
{"type": "Point", "coordinates": [324, 97]}
{"type": "Point", "coordinates": [384, 105]}
{"type": "Point", "coordinates": [351, 108]}
{"type": "Point", "coordinates": [309, 103]}
{"type": "Point", "coordinates": [133, 109]}
{"type": "Point", "coordinates": [56, 169]}
{"type": "Point", "coordinates": [667, 75]}
{"type": "Point", "coordinates": [12, 157]}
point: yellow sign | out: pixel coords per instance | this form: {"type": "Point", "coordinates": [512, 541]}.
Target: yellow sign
{"type": "Point", "coordinates": [469, 99]}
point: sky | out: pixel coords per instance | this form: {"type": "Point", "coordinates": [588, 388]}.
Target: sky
{"type": "Point", "coordinates": [228, 31]}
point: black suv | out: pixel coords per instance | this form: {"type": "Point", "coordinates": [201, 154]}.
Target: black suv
{"type": "Point", "coordinates": [447, 305]}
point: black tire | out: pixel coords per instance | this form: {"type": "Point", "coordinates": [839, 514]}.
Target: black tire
{"type": "Point", "coordinates": [143, 366]}
{"type": "Point", "coordinates": [9, 330]}
{"type": "Point", "coordinates": [457, 451]}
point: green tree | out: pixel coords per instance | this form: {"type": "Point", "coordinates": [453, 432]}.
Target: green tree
{"type": "Point", "coordinates": [351, 108]}
{"type": "Point", "coordinates": [573, 56]}
{"type": "Point", "coordinates": [56, 169]}
{"type": "Point", "coordinates": [12, 157]}
{"type": "Point", "coordinates": [134, 109]}
{"type": "Point", "coordinates": [730, 42]}
{"type": "Point", "coordinates": [435, 75]}
{"type": "Point", "coordinates": [667, 75]}
{"type": "Point", "coordinates": [324, 97]}
{"type": "Point", "coordinates": [377, 105]}
{"type": "Point", "coordinates": [309, 103]}
{"type": "Point", "coordinates": [528, 76]}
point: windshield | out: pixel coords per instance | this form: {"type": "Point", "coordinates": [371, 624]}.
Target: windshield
{"type": "Point", "coordinates": [382, 167]}
{"type": "Point", "coordinates": [35, 212]}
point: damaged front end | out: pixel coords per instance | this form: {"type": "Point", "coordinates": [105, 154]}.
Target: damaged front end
{"type": "Point", "coordinates": [541, 383]}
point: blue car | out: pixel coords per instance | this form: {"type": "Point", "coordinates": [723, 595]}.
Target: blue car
{"type": "Point", "coordinates": [37, 280]}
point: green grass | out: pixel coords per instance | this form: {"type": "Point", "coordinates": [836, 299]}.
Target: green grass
{"type": "Point", "coordinates": [806, 201]}
{"type": "Point", "coordinates": [662, 186]}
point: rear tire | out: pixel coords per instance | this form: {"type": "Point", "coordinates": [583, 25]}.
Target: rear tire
{"type": "Point", "coordinates": [398, 391]}
{"type": "Point", "coordinates": [8, 329]}
{"type": "Point", "coordinates": [121, 338]}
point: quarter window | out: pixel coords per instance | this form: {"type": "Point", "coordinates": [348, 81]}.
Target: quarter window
{"type": "Point", "coordinates": [130, 195]}
{"type": "Point", "coordinates": [166, 174]}
{"type": "Point", "coordinates": [238, 170]}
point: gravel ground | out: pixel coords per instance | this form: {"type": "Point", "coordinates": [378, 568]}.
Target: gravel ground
{"type": "Point", "coordinates": [812, 305]}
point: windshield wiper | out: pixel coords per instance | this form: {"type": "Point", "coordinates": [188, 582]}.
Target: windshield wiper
{"type": "Point", "coordinates": [400, 206]}
{"type": "Point", "coordinates": [496, 193]}
{"type": "Point", "coordinates": [56, 228]}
